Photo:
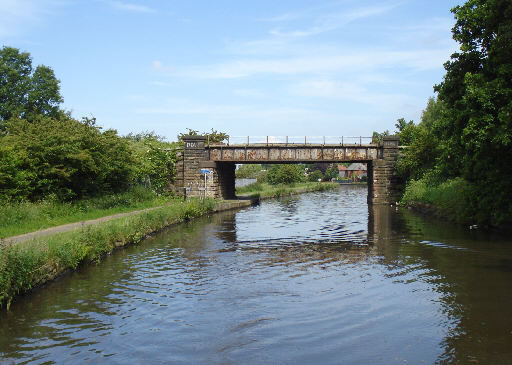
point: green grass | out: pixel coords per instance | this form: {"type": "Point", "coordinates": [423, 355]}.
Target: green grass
{"type": "Point", "coordinates": [451, 199]}
{"type": "Point", "coordinates": [31, 263]}
{"type": "Point", "coordinates": [263, 190]}
{"type": "Point", "coordinates": [18, 218]}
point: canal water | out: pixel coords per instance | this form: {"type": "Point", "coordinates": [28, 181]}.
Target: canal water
{"type": "Point", "coordinates": [318, 278]}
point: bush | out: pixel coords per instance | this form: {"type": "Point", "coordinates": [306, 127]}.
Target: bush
{"type": "Point", "coordinates": [285, 174]}
{"type": "Point", "coordinates": [315, 175]}
{"type": "Point", "coordinates": [155, 159]}
{"type": "Point", "coordinates": [62, 156]}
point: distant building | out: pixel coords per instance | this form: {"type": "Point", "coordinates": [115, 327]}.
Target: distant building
{"type": "Point", "coordinates": [342, 171]}
{"type": "Point", "coordinates": [354, 171]}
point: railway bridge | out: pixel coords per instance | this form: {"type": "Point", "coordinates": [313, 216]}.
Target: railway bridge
{"type": "Point", "coordinates": [208, 169]}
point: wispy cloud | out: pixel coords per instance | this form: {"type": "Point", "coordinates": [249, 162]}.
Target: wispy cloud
{"type": "Point", "coordinates": [348, 63]}
{"type": "Point", "coordinates": [19, 16]}
{"type": "Point", "coordinates": [335, 21]}
{"type": "Point", "coordinates": [351, 92]}
{"type": "Point", "coordinates": [132, 7]}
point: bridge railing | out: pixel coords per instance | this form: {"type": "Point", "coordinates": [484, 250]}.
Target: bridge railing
{"type": "Point", "coordinates": [294, 140]}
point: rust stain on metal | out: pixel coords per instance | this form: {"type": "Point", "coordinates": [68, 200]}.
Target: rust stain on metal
{"type": "Point", "coordinates": [287, 153]}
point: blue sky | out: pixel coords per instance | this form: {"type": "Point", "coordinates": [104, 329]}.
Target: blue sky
{"type": "Point", "coordinates": [244, 67]}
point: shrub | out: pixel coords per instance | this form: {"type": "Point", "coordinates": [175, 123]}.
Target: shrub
{"type": "Point", "coordinates": [285, 174]}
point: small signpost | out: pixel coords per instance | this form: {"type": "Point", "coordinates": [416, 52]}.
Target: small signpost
{"type": "Point", "coordinates": [206, 172]}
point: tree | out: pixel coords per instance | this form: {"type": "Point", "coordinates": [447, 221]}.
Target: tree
{"type": "Point", "coordinates": [285, 174]}
{"type": "Point", "coordinates": [378, 137]}
{"type": "Point", "coordinates": [475, 129]}
{"type": "Point", "coordinates": [248, 171]}
{"type": "Point", "coordinates": [24, 93]}
{"type": "Point", "coordinates": [421, 146]}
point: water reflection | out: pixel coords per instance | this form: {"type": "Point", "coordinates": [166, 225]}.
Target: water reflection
{"type": "Point", "coordinates": [314, 278]}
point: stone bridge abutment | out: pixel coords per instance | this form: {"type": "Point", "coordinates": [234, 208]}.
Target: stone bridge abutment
{"type": "Point", "coordinates": [209, 169]}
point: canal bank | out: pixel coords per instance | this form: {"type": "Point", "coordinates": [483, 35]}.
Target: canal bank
{"type": "Point", "coordinates": [30, 263]}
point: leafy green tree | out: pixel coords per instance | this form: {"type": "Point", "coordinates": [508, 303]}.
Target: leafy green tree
{"type": "Point", "coordinates": [405, 131]}
{"type": "Point", "coordinates": [44, 96]}
{"type": "Point", "coordinates": [24, 93]}
{"type": "Point", "coordinates": [475, 130]}
{"type": "Point", "coordinates": [420, 151]}
{"type": "Point", "coordinates": [248, 171]}
{"type": "Point", "coordinates": [331, 172]}
{"type": "Point", "coordinates": [378, 137]}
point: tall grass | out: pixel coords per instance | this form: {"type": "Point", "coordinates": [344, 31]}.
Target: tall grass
{"type": "Point", "coordinates": [451, 199]}
{"type": "Point", "coordinates": [28, 264]}
{"type": "Point", "coordinates": [262, 190]}
{"type": "Point", "coordinates": [22, 217]}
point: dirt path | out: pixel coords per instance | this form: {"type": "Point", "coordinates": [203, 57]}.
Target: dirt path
{"type": "Point", "coordinates": [68, 227]}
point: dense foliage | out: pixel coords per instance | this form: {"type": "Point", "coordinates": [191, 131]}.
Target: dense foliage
{"type": "Point", "coordinates": [467, 132]}
{"type": "Point", "coordinates": [155, 160]}
{"type": "Point", "coordinates": [285, 174]}
{"type": "Point", "coordinates": [61, 157]}
{"type": "Point", "coordinates": [249, 171]}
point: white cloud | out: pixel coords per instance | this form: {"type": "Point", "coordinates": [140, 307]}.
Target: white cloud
{"type": "Point", "coordinates": [160, 83]}
{"type": "Point", "coordinates": [249, 93]}
{"type": "Point", "coordinates": [157, 65]}
{"type": "Point", "coordinates": [132, 7]}
{"type": "Point", "coordinates": [335, 21]}
{"type": "Point", "coordinates": [347, 63]}
{"type": "Point", "coordinates": [351, 92]}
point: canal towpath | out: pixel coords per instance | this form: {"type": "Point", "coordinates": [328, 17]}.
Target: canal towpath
{"type": "Point", "coordinates": [221, 206]}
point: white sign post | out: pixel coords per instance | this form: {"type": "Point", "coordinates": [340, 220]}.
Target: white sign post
{"type": "Point", "coordinates": [206, 172]}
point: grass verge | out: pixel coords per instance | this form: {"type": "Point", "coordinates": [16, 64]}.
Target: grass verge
{"type": "Point", "coordinates": [263, 190]}
{"type": "Point", "coordinates": [22, 217]}
{"type": "Point", "coordinates": [32, 263]}
{"type": "Point", "coordinates": [451, 199]}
